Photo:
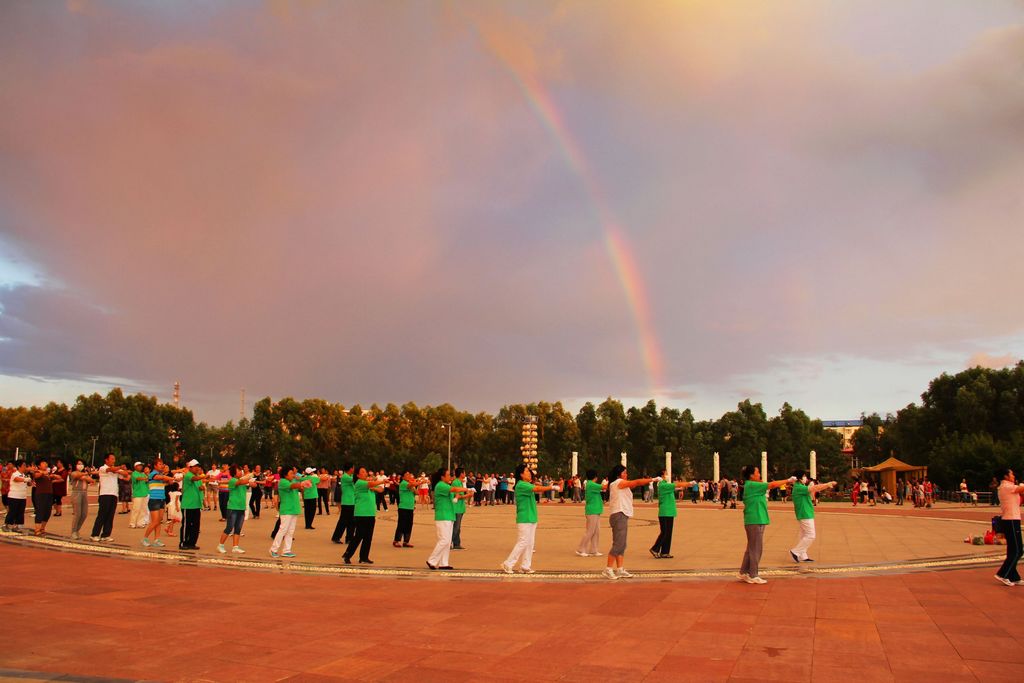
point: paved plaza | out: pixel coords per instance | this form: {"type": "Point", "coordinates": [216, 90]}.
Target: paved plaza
{"type": "Point", "coordinates": [706, 539]}
{"type": "Point", "coordinates": [71, 614]}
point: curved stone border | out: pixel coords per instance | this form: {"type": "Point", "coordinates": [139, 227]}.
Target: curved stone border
{"type": "Point", "coordinates": [306, 568]}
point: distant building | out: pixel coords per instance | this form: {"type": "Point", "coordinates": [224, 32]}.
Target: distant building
{"type": "Point", "coordinates": [845, 429]}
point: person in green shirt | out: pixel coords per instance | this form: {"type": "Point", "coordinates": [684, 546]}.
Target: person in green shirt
{"type": "Point", "coordinates": [445, 488]}
{"type": "Point", "coordinates": [288, 489]}
{"type": "Point", "coordinates": [803, 491]}
{"type": "Point", "coordinates": [593, 507]}
{"type": "Point", "coordinates": [237, 486]}
{"type": "Point", "coordinates": [346, 515]}
{"type": "Point", "coordinates": [460, 507]}
{"type": "Point", "coordinates": [310, 495]}
{"type": "Point", "coordinates": [191, 505]}
{"type": "Point", "coordinates": [666, 490]}
{"type": "Point", "coordinates": [755, 519]}
{"type": "Point", "coordinates": [526, 520]}
{"type": "Point", "coordinates": [365, 513]}
{"type": "Point", "coordinates": [406, 510]}
{"type": "Point", "coordinates": [140, 496]}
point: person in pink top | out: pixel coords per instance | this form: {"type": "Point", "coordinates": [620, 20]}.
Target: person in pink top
{"type": "Point", "coordinates": [1009, 506]}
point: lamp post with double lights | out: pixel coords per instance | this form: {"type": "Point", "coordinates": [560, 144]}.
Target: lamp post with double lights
{"type": "Point", "coordinates": [448, 426]}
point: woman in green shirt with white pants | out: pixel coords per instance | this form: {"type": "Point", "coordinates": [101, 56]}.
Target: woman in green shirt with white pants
{"type": "Point", "coordinates": [755, 519]}
{"type": "Point", "coordinates": [444, 518]}
{"type": "Point", "coordinates": [526, 521]}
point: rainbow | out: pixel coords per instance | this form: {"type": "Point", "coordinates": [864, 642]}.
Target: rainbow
{"type": "Point", "coordinates": [615, 241]}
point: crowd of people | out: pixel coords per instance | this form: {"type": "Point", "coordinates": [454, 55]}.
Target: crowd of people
{"type": "Point", "coordinates": [168, 502]}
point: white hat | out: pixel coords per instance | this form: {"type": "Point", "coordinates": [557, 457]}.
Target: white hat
{"type": "Point", "coordinates": [137, 463]}
{"type": "Point", "coordinates": [192, 463]}
{"type": "Point", "coordinates": [310, 470]}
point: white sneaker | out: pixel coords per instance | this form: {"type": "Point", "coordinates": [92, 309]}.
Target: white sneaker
{"type": "Point", "coordinates": [582, 554]}
{"type": "Point", "coordinates": [526, 570]}
{"type": "Point", "coordinates": [75, 536]}
{"type": "Point", "coordinates": [237, 549]}
{"type": "Point", "coordinates": [506, 568]}
{"type": "Point", "coordinates": [158, 543]}
{"type": "Point", "coordinates": [597, 554]}
{"type": "Point", "coordinates": [1005, 582]}
{"type": "Point", "coordinates": [221, 549]}
{"type": "Point", "coordinates": [744, 576]}
{"type": "Point", "coordinates": [755, 579]}
{"type": "Point", "coordinates": [1019, 583]}
{"type": "Point", "coordinates": [609, 573]}
{"type": "Point", "coordinates": [108, 539]}
{"type": "Point", "coordinates": [94, 538]}
{"type": "Point", "coordinates": [623, 574]}
{"type": "Point", "coordinates": [145, 542]}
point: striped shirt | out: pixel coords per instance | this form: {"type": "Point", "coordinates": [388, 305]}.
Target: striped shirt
{"type": "Point", "coordinates": [157, 488]}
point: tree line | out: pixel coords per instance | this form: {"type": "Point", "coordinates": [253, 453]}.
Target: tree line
{"type": "Point", "coordinates": [966, 425]}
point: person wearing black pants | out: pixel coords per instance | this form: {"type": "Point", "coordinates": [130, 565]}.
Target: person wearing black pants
{"type": "Point", "coordinates": [188, 535]}
{"type": "Point", "coordinates": [365, 518]}
{"type": "Point", "coordinates": [1009, 504]}
{"type": "Point", "coordinates": [257, 496]}
{"type": "Point", "coordinates": [104, 524]}
{"type": "Point", "coordinates": [191, 506]}
{"type": "Point", "coordinates": [346, 506]}
{"type": "Point", "coordinates": [406, 509]}
{"type": "Point", "coordinates": [323, 500]}
{"type": "Point", "coordinates": [666, 491]}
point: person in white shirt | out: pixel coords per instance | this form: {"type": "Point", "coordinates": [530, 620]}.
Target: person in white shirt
{"type": "Point", "coordinates": [108, 476]}
{"type": "Point", "coordinates": [17, 496]}
{"type": "Point", "coordinates": [620, 509]}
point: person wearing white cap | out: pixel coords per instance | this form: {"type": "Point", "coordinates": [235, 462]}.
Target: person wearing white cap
{"type": "Point", "coordinates": [191, 506]}
{"type": "Point", "coordinates": [140, 497]}
{"type": "Point", "coordinates": [310, 495]}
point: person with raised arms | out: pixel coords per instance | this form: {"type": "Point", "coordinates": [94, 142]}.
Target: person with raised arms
{"type": "Point", "coordinates": [365, 517]}
{"type": "Point", "coordinates": [444, 517]}
{"type": "Point", "coordinates": [238, 486]}
{"type": "Point", "coordinates": [593, 507]}
{"type": "Point", "coordinates": [755, 519]}
{"type": "Point", "coordinates": [157, 481]}
{"type": "Point", "coordinates": [289, 509]}
{"type": "Point", "coordinates": [406, 510]}
{"type": "Point", "coordinates": [666, 492]}
{"type": "Point", "coordinates": [17, 496]}
{"type": "Point", "coordinates": [803, 505]}
{"type": "Point", "coordinates": [140, 497]}
{"type": "Point", "coordinates": [459, 506]}
{"type": "Point", "coordinates": [109, 474]}
{"type": "Point", "coordinates": [80, 481]}
{"type": "Point", "coordinates": [620, 507]}
{"type": "Point", "coordinates": [526, 521]}
{"type": "Point", "coordinates": [191, 505]}
{"type": "Point", "coordinates": [1009, 511]}
{"type": "Point", "coordinates": [348, 503]}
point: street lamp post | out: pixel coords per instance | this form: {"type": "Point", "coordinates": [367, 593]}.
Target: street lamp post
{"type": "Point", "coordinates": [92, 463]}
{"type": "Point", "coordinates": [448, 426]}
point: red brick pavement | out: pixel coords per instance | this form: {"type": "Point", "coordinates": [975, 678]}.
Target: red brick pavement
{"type": "Point", "coordinates": [96, 616]}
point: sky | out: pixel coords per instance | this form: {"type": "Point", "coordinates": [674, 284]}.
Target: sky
{"type": "Point", "coordinates": [699, 202]}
